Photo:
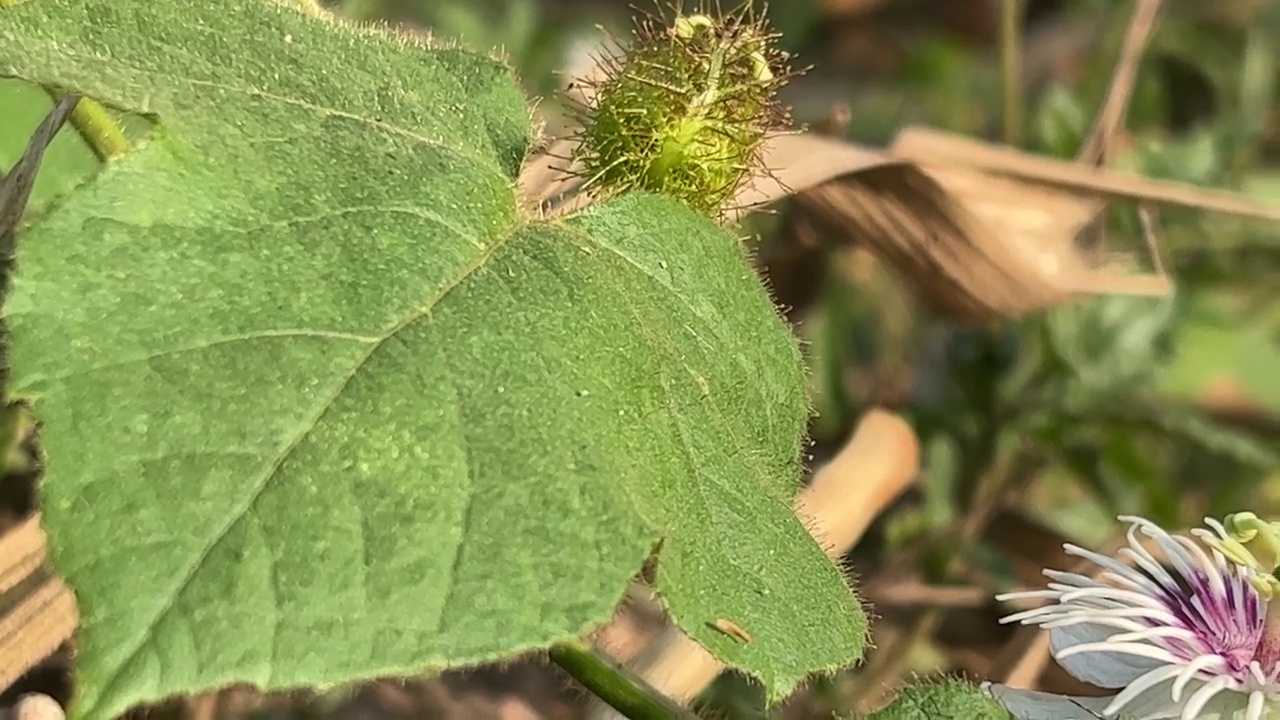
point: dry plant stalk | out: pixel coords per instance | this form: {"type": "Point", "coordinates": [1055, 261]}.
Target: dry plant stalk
{"type": "Point", "coordinates": [1097, 147]}
{"type": "Point", "coordinates": [875, 466]}
{"type": "Point", "coordinates": [37, 611]}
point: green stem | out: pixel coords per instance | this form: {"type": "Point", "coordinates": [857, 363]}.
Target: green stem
{"type": "Point", "coordinates": [612, 683]}
{"type": "Point", "coordinates": [1010, 66]}
{"type": "Point", "coordinates": [97, 127]}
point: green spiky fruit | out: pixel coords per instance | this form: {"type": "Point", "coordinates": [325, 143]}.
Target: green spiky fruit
{"type": "Point", "coordinates": [684, 110]}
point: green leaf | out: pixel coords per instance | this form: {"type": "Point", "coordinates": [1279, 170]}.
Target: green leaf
{"type": "Point", "coordinates": [946, 700]}
{"type": "Point", "coordinates": [321, 404]}
{"type": "Point", "coordinates": [1130, 463]}
{"type": "Point", "coordinates": [941, 467]}
{"type": "Point", "coordinates": [1196, 158]}
{"type": "Point", "coordinates": [67, 162]}
{"type": "Point", "coordinates": [1187, 425]}
{"type": "Point", "coordinates": [1215, 342]}
{"type": "Point", "coordinates": [1112, 343]}
{"type": "Point", "coordinates": [1060, 122]}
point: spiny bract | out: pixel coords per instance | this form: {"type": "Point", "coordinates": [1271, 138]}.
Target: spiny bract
{"type": "Point", "coordinates": [684, 110]}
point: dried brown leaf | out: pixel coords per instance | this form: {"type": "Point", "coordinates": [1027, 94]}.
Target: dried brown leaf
{"type": "Point", "coordinates": [37, 611]}
{"type": "Point", "coordinates": [976, 246]}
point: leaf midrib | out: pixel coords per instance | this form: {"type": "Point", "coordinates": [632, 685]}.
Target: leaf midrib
{"type": "Point", "coordinates": [260, 486]}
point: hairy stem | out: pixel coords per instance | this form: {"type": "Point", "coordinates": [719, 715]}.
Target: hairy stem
{"type": "Point", "coordinates": [612, 683]}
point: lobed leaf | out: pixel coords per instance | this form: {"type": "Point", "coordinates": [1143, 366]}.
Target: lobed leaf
{"type": "Point", "coordinates": [320, 404]}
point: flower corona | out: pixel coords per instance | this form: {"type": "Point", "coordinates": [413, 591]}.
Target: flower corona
{"type": "Point", "coordinates": [1190, 637]}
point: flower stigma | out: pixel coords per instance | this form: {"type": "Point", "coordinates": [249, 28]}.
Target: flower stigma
{"type": "Point", "coordinates": [1239, 529]}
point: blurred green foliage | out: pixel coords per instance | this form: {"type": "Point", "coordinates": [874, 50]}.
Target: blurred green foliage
{"type": "Point", "coordinates": [1100, 407]}
{"type": "Point", "coordinates": [1111, 387]}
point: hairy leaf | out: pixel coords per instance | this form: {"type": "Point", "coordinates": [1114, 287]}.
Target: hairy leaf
{"type": "Point", "coordinates": [321, 404]}
{"type": "Point", "coordinates": [946, 700]}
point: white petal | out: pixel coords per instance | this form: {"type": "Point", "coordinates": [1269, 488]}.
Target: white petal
{"type": "Point", "coordinates": [1156, 701]}
{"type": "Point", "coordinates": [1152, 705]}
{"type": "Point", "coordinates": [1187, 677]}
{"type": "Point", "coordinates": [1104, 669]}
{"type": "Point", "coordinates": [1214, 691]}
{"type": "Point", "coordinates": [1257, 706]}
{"type": "Point", "coordinates": [1235, 705]}
{"type": "Point", "coordinates": [1117, 568]}
{"type": "Point", "coordinates": [1033, 705]}
{"type": "Point", "coordinates": [1149, 692]}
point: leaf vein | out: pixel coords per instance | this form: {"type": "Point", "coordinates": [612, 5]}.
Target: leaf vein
{"type": "Point", "coordinates": [96, 60]}
{"type": "Point", "coordinates": [421, 213]}
{"type": "Point", "coordinates": [239, 512]}
{"type": "Point", "coordinates": [227, 340]}
{"type": "Point", "coordinates": [468, 513]}
{"type": "Point", "coordinates": [346, 115]}
{"type": "Point", "coordinates": [712, 323]}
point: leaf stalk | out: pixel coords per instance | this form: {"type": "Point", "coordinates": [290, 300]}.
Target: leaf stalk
{"type": "Point", "coordinates": [614, 684]}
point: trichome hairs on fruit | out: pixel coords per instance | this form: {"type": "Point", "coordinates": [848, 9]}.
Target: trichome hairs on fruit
{"type": "Point", "coordinates": [684, 108]}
